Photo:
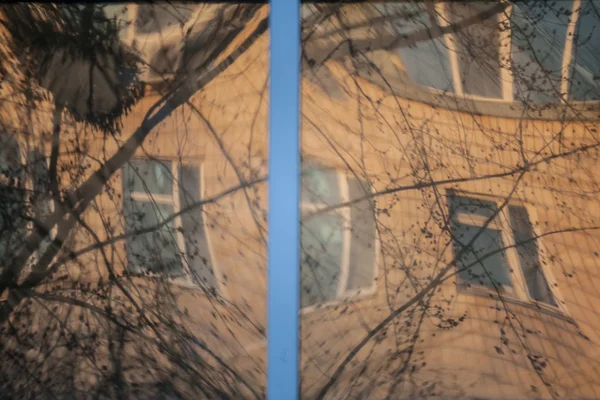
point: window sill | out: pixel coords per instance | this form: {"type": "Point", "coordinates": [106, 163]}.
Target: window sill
{"type": "Point", "coordinates": [182, 282]}
{"type": "Point", "coordinates": [478, 105]}
{"type": "Point", "coordinates": [531, 304]}
{"type": "Point", "coordinates": [367, 294]}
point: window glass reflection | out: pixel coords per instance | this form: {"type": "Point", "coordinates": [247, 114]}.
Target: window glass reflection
{"type": "Point", "coordinates": [478, 46]}
{"type": "Point", "coordinates": [338, 248]}
{"type": "Point", "coordinates": [153, 18]}
{"type": "Point", "coordinates": [426, 62]}
{"type": "Point", "coordinates": [538, 39]}
{"type": "Point", "coordinates": [139, 233]}
{"type": "Point", "coordinates": [585, 78]}
{"type": "Point", "coordinates": [322, 244]}
{"type": "Point", "coordinates": [484, 263]}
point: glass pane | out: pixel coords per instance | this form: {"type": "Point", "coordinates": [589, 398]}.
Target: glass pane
{"type": "Point", "coordinates": [320, 185]}
{"type": "Point", "coordinates": [114, 117]}
{"type": "Point", "coordinates": [426, 62]}
{"type": "Point", "coordinates": [529, 260]}
{"type": "Point", "coordinates": [538, 40]}
{"type": "Point", "coordinates": [149, 176]}
{"type": "Point", "coordinates": [478, 47]}
{"type": "Point", "coordinates": [363, 238]}
{"type": "Point", "coordinates": [154, 18]}
{"type": "Point", "coordinates": [197, 252]}
{"type": "Point", "coordinates": [322, 247]}
{"type": "Point", "coordinates": [396, 309]}
{"type": "Point", "coordinates": [156, 251]}
{"type": "Point", "coordinates": [12, 199]}
{"type": "Point", "coordinates": [585, 80]}
{"type": "Point", "coordinates": [484, 261]}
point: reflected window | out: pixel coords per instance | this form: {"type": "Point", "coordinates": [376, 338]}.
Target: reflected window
{"type": "Point", "coordinates": [12, 198]}
{"type": "Point", "coordinates": [161, 241]}
{"type": "Point", "coordinates": [482, 247]}
{"type": "Point", "coordinates": [585, 78]}
{"type": "Point", "coordinates": [153, 18]}
{"type": "Point", "coordinates": [538, 33]}
{"type": "Point", "coordinates": [482, 259]}
{"type": "Point", "coordinates": [477, 47]}
{"type": "Point", "coordinates": [426, 62]}
{"type": "Point", "coordinates": [528, 252]}
{"type": "Point", "coordinates": [338, 247]}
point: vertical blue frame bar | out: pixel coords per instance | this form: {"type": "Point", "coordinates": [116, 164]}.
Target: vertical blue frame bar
{"type": "Point", "coordinates": [284, 190]}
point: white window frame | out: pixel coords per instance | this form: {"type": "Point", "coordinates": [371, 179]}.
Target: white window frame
{"type": "Point", "coordinates": [503, 73]}
{"type": "Point", "coordinates": [185, 280]}
{"type": "Point", "coordinates": [155, 40]}
{"type": "Point", "coordinates": [505, 52]}
{"type": "Point", "coordinates": [498, 224]}
{"type": "Point", "coordinates": [501, 222]}
{"type": "Point", "coordinates": [342, 293]}
{"type": "Point", "coordinates": [567, 61]}
{"type": "Point", "coordinates": [545, 265]}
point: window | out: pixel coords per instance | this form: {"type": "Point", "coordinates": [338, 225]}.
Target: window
{"type": "Point", "coordinates": [153, 192]}
{"type": "Point", "coordinates": [338, 248]}
{"type": "Point", "coordinates": [469, 218]}
{"type": "Point", "coordinates": [477, 48]}
{"type": "Point", "coordinates": [585, 81]}
{"type": "Point", "coordinates": [520, 53]}
{"type": "Point", "coordinates": [41, 202]}
{"type": "Point", "coordinates": [25, 199]}
{"type": "Point", "coordinates": [12, 198]}
{"type": "Point", "coordinates": [426, 62]}
{"type": "Point", "coordinates": [529, 261]}
{"type": "Point", "coordinates": [153, 18]}
{"type": "Point", "coordinates": [502, 255]}
{"type": "Point", "coordinates": [538, 34]}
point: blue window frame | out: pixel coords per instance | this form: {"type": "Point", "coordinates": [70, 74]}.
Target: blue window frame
{"type": "Point", "coordinates": [284, 190]}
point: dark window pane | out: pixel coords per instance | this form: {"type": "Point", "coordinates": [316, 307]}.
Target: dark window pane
{"type": "Point", "coordinates": [149, 176]}
{"type": "Point", "coordinates": [154, 251]}
{"type": "Point", "coordinates": [484, 262]}
{"type": "Point", "coordinates": [362, 241]}
{"type": "Point", "coordinates": [197, 253]}
{"type": "Point", "coordinates": [426, 62]}
{"type": "Point", "coordinates": [528, 255]}
{"type": "Point", "coordinates": [12, 198]}
{"type": "Point", "coordinates": [538, 32]}
{"type": "Point", "coordinates": [322, 246]}
{"type": "Point", "coordinates": [477, 45]}
{"type": "Point", "coordinates": [41, 198]}
{"type": "Point", "coordinates": [585, 81]}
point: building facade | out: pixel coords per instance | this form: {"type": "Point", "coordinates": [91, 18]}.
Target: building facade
{"type": "Point", "coordinates": [449, 210]}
